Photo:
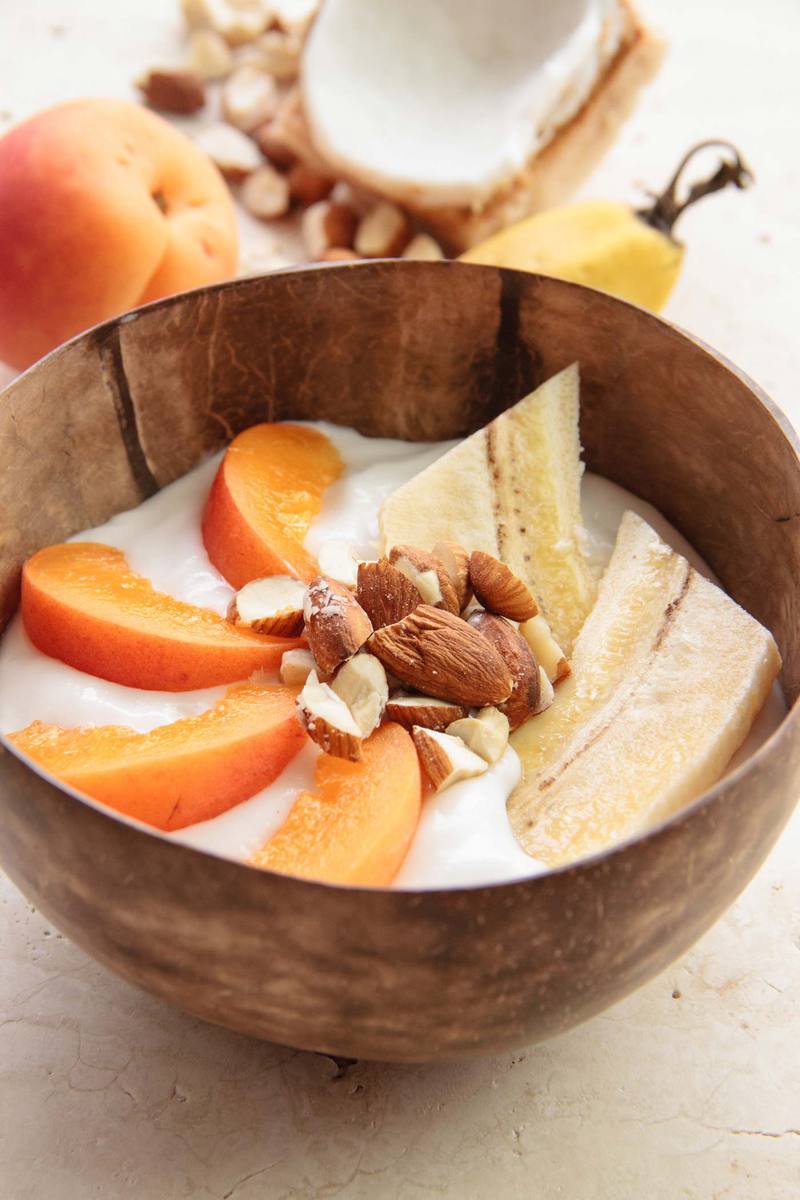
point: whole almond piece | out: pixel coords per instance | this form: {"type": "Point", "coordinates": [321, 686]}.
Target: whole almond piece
{"type": "Point", "coordinates": [173, 91]}
{"type": "Point", "coordinates": [308, 185]}
{"type": "Point", "coordinates": [438, 654]}
{"type": "Point", "coordinates": [425, 711]}
{"type": "Point", "coordinates": [336, 624]}
{"type": "Point", "coordinates": [428, 576]}
{"type": "Point", "coordinates": [455, 560]}
{"type": "Point", "coordinates": [499, 589]}
{"type": "Point", "coordinates": [384, 593]}
{"type": "Point", "coordinates": [515, 652]}
{"type": "Point", "coordinates": [265, 193]}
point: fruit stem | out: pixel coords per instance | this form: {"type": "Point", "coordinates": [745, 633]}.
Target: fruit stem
{"type": "Point", "coordinates": [666, 208]}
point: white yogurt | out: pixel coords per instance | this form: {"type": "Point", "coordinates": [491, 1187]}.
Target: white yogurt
{"type": "Point", "coordinates": [464, 837]}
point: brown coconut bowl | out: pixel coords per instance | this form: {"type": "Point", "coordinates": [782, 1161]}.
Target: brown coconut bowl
{"type": "Point", "coordinates": [419, 351]}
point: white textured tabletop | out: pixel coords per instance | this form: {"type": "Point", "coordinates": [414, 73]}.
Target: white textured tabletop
{"type": "Point", "coordinates": [688, 1089]}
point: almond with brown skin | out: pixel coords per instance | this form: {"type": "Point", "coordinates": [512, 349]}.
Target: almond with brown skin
{"type": "Point", "coordinates": [173, 91]}
{"type": "Point", "coordinates": [384, 593]}
{"type": "Point", "coordinates": [308, 185]}
{"type": "Point", "coordinates": [515, 652]}
{"type": "Point", "coordinates": [336, 624]}
{"type": "Point", "coordinates": [455, 560]}
{"type": "Point", "coordinates": [428, 575]}
{"type": "Point", "coordinates": [438, 654]}
{"type": "Point", "coordinates": [499, 589]}
{"type": "Point", "coordinates": [425, 711]}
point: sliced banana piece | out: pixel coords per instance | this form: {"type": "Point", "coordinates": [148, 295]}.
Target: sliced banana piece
{"type": "Point", "coordinates": [513, 490]}
{"type": "Point", "coordinates": [668, 675]}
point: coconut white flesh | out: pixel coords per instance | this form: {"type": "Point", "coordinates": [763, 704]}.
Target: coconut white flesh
{"type": "Point", "coordinates": [440, 103]}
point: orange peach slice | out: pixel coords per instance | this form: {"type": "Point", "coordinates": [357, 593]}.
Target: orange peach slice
{"type": "Point", "coordinates": [267, 491]}
{"type": "Point", "coordinates": [356, 826]}
{"type": "Point", "coordinates": [181, 773]}
{"type": "Point", "coordinates": [82, 603]}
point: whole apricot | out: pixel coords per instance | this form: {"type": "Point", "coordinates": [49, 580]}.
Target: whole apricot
{"type": "Point", "coordinates": [103, 206]}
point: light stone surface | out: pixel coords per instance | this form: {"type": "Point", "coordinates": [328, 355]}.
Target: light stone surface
{"type": "Point", "coordinates": [688, 1090]}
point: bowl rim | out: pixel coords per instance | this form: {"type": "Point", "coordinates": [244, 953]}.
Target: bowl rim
{"type": "Point", "coordinates": [588, 862]}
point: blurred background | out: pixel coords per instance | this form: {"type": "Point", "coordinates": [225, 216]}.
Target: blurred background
{"type": "Point", "coordinates": [689, 1088]}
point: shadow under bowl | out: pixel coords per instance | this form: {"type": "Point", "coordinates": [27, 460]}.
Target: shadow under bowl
{"type": "Point", "coordinates": [418, 351]}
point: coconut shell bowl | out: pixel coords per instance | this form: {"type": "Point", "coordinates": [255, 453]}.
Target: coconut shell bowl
{"type": "Point", "coordinates": [418, 351]}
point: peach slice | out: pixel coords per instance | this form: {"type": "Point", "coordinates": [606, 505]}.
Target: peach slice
{"type": "Point", "coordinates": [181, 773]}
{"type": "Point", "coordinates": [82, 603]}
{"type": "Point", "coordinates": [356, 826]}
{"type": "Point", "coordinates": [267, 491]}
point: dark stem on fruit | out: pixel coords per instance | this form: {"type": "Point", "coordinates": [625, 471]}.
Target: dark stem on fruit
{"type": "Point", "coordinates": [161, 200]}
{"type": "Point", "coordinates": [666, 208]}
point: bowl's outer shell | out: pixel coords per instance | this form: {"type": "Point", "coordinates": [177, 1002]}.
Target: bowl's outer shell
{"type": "Point", "coordinates": [416, 350]}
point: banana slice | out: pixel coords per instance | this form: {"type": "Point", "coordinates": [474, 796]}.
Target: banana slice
{"type": "Point", "coordinates": [513, 490]}
{"type": "Point", "coordinates": [668, 675]}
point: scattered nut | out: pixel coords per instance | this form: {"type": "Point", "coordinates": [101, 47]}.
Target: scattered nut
{"type": "Point", "coordinates": [296, 666]}
{"type": "Point", "coordinates": [546, 649]}
{"type": "Point", "coordinates": [265, 193]}
{"type": "Point", "coordinates": [426, 711]}
{"type": "Point", "coordinates": [455, 560]}
{"type": "Point", "coordinates": [232, 151]}
{"type": "Point", "coordinates": [279, 53]}
{"type": "Point", "coordinates": [249, 98]}
{"type": "Point", "coordinates": [446, 759]}
{"type": "Point", "coordinates": [517, 656]}
{"type": "Point", "coordinates": [384, 594]}
{"type": "Point", "coordinates": [325, 225]}
{"type": "Point", "coordinates": [238, 23]}
{"type": "Point", "coordinates": [499, 589]}
{"type": "Point", "coordinates": [361, 683]}
{"type": "Point", "coordinates": [293, 16]}
{"type": "Point", "coordinates": [336, 624]}
{"type": "Point", "coordinates": [308, 185]}
{"type": "Point", "coordinates": [486, 734]}
{"type": "Point", "coordinates": [209, 55]}
{"type": "Point", "coordinates": [337, 560]}
{"type": "Point", "coordinates": [546, 691]}
{"type": "Point", "coordinates": [344, 193]}
{"type": "Point", "coordinates": [438, 654]}
{"type": "Point", "coordinates": [328, 720]}
{"type": "Point", "coordinates": [173, 91]}
{"type": "Point", "coordinates": [428, 576]}
{"type": "Point", "coordinates": [273, 605]}
{"type": "Point", "coordinates": [383, 232]}
{"type": "Point", "coordinates": [338, 254]}
{"type": "Point", "coordinates": [423, 247]}
{"type": "Point", "coordinates": [270, 143]}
